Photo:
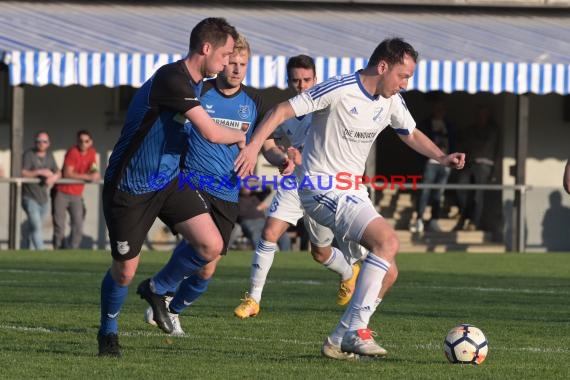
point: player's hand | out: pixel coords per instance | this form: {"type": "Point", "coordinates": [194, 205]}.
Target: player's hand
{"type": "Point", "coordinates": [245, 162]}
{"type": "Point", "coordinates": [241, 143]}
{"type": "Point", "coordinates": [295, 155]}
{"type": "Point", "coordinates": [287, 167]}
{"type": "Point", "coordinates": [455, 160]}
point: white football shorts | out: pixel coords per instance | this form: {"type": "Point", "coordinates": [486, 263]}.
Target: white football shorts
{"type": "Point", "coordinates": [346, 213]}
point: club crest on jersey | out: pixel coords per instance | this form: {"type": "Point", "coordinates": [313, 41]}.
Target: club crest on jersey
{"type": "Point", "coordinates": [123, 247]}
{"type": "Point", "coordinates": [378, 114]}
{"type": "Point", "coordinates": [244, 111]}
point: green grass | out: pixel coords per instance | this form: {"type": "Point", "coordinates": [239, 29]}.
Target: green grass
{"type": "Point", "coordinates": [49, 316]}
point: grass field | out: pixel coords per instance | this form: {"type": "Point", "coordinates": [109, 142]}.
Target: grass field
{"type": "Point", "coordinates": [50, 310]}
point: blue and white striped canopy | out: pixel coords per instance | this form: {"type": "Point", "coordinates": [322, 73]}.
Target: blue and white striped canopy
{"type": "Point", "coordinates": [132, 69]}
{"type": "Point", "coordinates": [114, 45]}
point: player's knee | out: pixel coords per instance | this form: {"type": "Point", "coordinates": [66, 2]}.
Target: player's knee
{"type": "Point", "coordinates": [392, 245]}
{"type": "Point", "coordinates": [270, 235]}
{"type": "Point", "coordinates": [211, 249]}
{"type": "Point", "coordinates": [388, 247]}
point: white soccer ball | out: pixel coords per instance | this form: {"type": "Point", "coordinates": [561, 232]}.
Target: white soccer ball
{"type": "Point", "coordinates": [465, 344]}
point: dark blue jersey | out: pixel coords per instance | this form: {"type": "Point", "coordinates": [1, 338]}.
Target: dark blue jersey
{"type": "Point", "coordinates": [211, 166]}
{"type": "Point", "coordinates": [153, 137]}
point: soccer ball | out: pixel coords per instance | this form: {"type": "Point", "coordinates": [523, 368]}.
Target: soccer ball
{"type": "Point", "coordinates": [465, 344]}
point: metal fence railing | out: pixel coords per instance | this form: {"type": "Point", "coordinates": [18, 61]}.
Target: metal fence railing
{"type": "Point", "coordinates": [518, 217]}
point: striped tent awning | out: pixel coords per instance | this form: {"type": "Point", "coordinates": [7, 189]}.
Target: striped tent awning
{"type": "Point", "coordinates": [92, 44]}
{"type": "Point", "coordinates": [132, 69]}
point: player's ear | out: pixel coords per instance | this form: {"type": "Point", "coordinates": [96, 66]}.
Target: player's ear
{"type": "Point", "coordinates": [382, 67]}
{"type": "Point", "coordinates": [206, 48]}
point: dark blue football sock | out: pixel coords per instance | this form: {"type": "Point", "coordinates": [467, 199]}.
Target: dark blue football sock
{"type": "Point", "coordinates": [113, 296]}
{"type": "Point", "coordinates": [184, 262]}
{"type": "Point", "coordinates": [189, 291]}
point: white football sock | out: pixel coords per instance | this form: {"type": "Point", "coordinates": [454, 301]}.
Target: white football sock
{"type": "Point", "coordinates": [338, 264]}
{"type": "Point", "coordinates": [260, 265]}
{"type": "Point", "coordinates": [363, 302]}
{"type": "Point", "coordinates": [336, 336]}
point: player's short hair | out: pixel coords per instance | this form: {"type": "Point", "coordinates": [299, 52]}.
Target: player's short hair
{"type": "Point", "coordinates": [301, 61]}
{"type": "Point", "coordinates": [214, 30]}
{"type": "Point", "coordinates": [392, 50]}
{"type": "Point", "coordinates": [241, 44]}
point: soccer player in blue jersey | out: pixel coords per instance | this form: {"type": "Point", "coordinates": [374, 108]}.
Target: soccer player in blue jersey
{"type": "Point", "coordinates": [349, 112]}
{"type": "Point", "coordinates": [209, 168]}
{"type": "Point", "coordinates": [141, 180]}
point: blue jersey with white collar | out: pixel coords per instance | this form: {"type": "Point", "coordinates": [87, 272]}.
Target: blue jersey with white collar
{"type": "Point", "coordinates": [210, 167]}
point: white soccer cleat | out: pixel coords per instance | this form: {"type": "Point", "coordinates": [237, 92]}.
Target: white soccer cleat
{"type": "Point", "coordinates": [361, 342]}
{"type": "Point", "coordinates": [148, 316]}
{"type": "Point", "coordinates": [176, 327]}
{"type": "Point", "coordinates": [332, 351]}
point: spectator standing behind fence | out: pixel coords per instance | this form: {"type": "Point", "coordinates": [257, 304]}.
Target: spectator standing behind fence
{"type": "Point", "coordinates": [480, 144]}
{"type": "Point", "coordinates": [443, 134]}
{"type": "Point", "coordinates": [80, 163]}
{"type": "Point", "coordinates": [38, 162]}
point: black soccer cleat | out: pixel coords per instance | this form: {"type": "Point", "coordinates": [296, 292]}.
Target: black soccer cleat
{"type": "Point", "coordinates": [109, 345]}
{"type": "Point", "coordinates": [158, 304]}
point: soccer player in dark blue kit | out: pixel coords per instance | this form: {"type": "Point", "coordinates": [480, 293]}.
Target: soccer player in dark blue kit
{"type": "Point", "coordinates": [141, 180]}
{"type": "Point", "coordinates": [209, 168]}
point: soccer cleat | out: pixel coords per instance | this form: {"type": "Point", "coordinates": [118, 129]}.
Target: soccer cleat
{"type": "Point", "coordinates": [331, 351]}
{"type": "Point", "coordinates": [174, 318]}
{"type": "Point", "coordinates": [109, 345]}
{"type": "Point", "coordinates": [346, 288]}
{"type": "Point", "coordinates": [148, 316]}
{"type": "Point", "coordinates": [361, 342]}
{"type": "Point", "coordinates": [176, 327]}
{"type": "Point", "coordinates": [158, 304]}
{"type": "Point", "coordinates": [247, 308]}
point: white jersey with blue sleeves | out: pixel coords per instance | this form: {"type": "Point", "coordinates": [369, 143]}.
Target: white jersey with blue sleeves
{"type": "Point", "coordinates": [346, 121]}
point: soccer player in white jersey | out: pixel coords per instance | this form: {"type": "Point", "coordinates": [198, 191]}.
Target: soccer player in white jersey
{"type": "Point", "coordinates": [286, 210]}
{"type": "Point", "coordinates": [348, 114]}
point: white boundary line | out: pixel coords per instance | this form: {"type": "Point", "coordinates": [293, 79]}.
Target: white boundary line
{"type": "Point", "coordinates": [422, 347]}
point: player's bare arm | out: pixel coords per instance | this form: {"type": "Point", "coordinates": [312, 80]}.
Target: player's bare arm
{"type": "Point", "coordinates": [276, 157]}
{"type": "Point", "coordinates": [213, 132]}
{"type": "Point", "coordinates": [245, 161]}
{"type": "Point", "coordinates": [419, 142]}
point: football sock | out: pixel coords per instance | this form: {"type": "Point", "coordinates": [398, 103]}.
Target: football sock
{"type": "Point", "coordinates": [342, 327]}
{"type": "Point", "coordinates": [260, 264]}
{"type": "Point", "coordinates": [338, 264]}
{"type": "Point", "coordinates": [184, 262]}
{"type": "Point", "coordinates": [368, 285]}
{"type": "Point", "coordinates": [189, 291]}
{"type": "Point", "coordinates": [113, 296]}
